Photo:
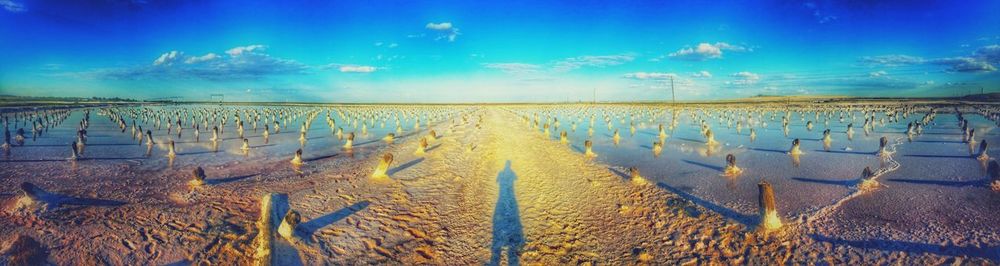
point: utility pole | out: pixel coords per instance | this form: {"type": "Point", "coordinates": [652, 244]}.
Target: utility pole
{"type": "Point", "coordinates": [673, 97]}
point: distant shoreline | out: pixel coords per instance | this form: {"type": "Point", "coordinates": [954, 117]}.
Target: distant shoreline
{"type": "Point", "coordinates": [19, 102]}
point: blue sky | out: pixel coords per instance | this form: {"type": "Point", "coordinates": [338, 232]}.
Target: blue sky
{"type": "Point", "coordinates": [501, 51]}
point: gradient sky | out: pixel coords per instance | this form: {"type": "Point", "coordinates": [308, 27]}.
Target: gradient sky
{"type": "Point", "coordinates": [500, 51]}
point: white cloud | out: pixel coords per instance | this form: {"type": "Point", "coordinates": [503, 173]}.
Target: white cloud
{"type": "Point", "coordinates": [702, 74]}
{"type": "Point", "coordinates": [240, 50]}
{"type": "Point", "coordinates": [965, 64]}
{"type": "Point", "coordinates": [732, 47]}
{"type": "Point", "coordinates": [563, 65]}
{"type": "Point", "coordinates": [649, 75]}
{"type": "Point", "coordinates": [892, 60]}
{"type": "Point", "coordinates": [877, 74]}
{"type": "Point", "coordinates": [983, 59]}
{"type": "Point", "coordinates": [247, 66]}
{"type": "Point", "coordinates": [451, 36]}
{"type": "Point", "coordinates": [746, 75]}
{"type": "Point", "coordinates": [745, 78]}
{"type": "Point", "coordinates": [704, 51]}
{"type": "Point", "coordinates": [389, 58]}
{"type": "Point", "coordinates": [393, 45]}
{"type": "Point", "coordinates": [445, 30]}
{"type": "Point", "coordinates": [439, 26]}
{"type": "Point", "coordinates": [819, 13]}
{"type": "Point", "coordinates": [167, 58]}
{"type": "Point", "coordinates": [199, 59]}
{"type": "Point", "coordinates": [513, 68]}
{"type": "Point", "coordinates": [989, 53]}
{"type": "Point", "coordinates": [12, 6]}
{"type": "Point", "coordinates": [51, 67]}
{"type": "Point", "coordinates": [356, 69]}
{"type": "Point", "coordinates": [592, 60]}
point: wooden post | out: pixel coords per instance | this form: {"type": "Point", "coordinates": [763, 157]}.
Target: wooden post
{"type": "Point", "coordinates": [768, 212]}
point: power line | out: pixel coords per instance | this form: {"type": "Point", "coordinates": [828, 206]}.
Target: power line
{"type": "Point", "coordinates": [673, 97]}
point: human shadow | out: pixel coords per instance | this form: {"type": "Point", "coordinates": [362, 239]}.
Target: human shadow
{"type": "Point", "coordinates": [749, 221]}
{"type": "Point", "coordinates": [987, 252]}
{"type": "Point", "coordinates": [402, 167]}
{"type": "Point", "coordinates": [507, 229]}
{"type": "Point", "coordinates": [969, 183]}
{"type": "Point", "coordinates": [846, 183]}
{"type": "Point", "coordinates": [309, 228]}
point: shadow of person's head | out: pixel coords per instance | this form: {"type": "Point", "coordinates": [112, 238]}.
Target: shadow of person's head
{"type": "Point", "coordinates": [507, 174]}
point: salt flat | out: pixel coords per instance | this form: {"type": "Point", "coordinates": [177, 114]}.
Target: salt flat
{"type": "Point", "coordinates": [497, 184]}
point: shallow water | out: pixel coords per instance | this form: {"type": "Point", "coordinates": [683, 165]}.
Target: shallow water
{"type": "Point", "coordinates": [940, 193]}
{"type": "Point", "coordinates": [106, 141]}
{"type": "Point", "coordinates": [689, 167]}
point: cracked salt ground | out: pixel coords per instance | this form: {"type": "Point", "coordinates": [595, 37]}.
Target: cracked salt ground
{"type": "Point", "coordinates": [489, 190]}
